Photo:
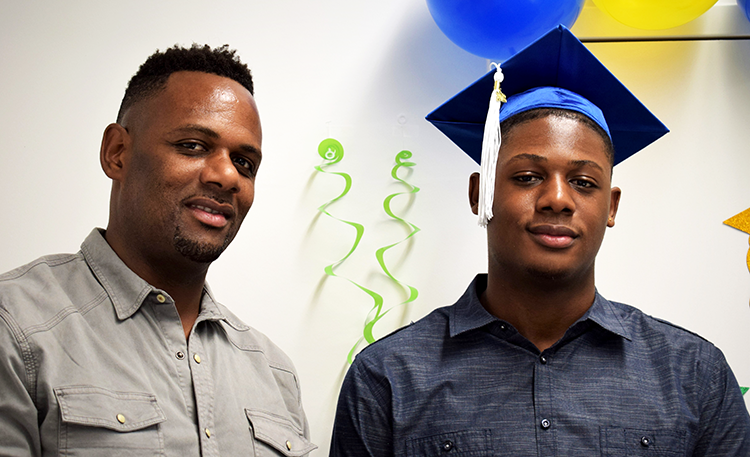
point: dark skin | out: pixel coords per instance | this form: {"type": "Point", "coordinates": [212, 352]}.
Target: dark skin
{"type": "Point", "coordinates": [553, 202]}
{"type": "Point", "coordinates": [183, 166]}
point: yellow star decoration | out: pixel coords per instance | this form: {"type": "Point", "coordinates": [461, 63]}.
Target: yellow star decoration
{"type": "Point", "coordinates": [741, 222]}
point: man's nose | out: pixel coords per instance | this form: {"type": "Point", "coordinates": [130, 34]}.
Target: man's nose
{"type": "Point", "coordinates": [220, 170]}
{"type": "Point", "coordinates": [556, 195]}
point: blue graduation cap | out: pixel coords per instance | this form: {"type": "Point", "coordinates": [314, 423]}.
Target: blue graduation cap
{"type": "Point", "coordinates": [555, 71]}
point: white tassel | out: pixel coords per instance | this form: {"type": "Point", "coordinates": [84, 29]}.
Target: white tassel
{"type": "Point", "coordinates": [490, 148]}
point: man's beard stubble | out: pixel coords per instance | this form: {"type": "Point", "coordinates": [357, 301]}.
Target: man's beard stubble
{"type": "Point", "coordinates": [197, 251]}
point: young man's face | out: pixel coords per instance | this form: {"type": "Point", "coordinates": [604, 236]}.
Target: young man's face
{"type": "Point", "coordinates": [189, 169]}
{"type": "Point", "coordinates": [553, 200]}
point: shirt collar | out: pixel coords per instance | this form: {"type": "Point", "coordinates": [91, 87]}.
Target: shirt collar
{"type": "Point", "coordinates": [607, 316]}
{"type": "Point", "coordinates": [127, 290]}
{"type": "Point", "coordinates": [211, 310]}
{"type": "Point", "coordinates": [469, 314]}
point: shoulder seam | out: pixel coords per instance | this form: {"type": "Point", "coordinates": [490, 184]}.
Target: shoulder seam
{"type": "Point", "coordinates": [50, 261]}
{"type": "Point", "coordinates": [677, 327]}
{"type": "Point", "coordinates": [368, 382]}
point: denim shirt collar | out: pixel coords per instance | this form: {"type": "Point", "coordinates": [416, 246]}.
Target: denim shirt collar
{"type": "Point", "coordinates": [469, 314]}
{"type": "Point", "coordinates": [127, 290]}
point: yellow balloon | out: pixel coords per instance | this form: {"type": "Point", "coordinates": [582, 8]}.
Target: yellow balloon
{"type": "Point", "coordinates": [654, 14]}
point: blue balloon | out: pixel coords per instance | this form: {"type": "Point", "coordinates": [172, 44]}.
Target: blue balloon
{"type": "Point", "coordinates": [497, 29]}
{"type": "Point", "coordinates": [745, 5]}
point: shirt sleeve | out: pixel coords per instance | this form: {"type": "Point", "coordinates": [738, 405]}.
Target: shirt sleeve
{"type": "Point", "coordinates": [19, 433]}
{"type": "Point", "coordinates": [363, 421]}
{"type": "Point", "coordinates": [725, 423]}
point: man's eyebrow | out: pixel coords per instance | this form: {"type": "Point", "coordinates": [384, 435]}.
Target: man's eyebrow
{"type": "Point", "coordinates": [527, 156]}
{"type": "Point", "coordinates": [198, 128]}
{"type": "Point", "coordinates": [248, 148]}
{"type": "Point", "coordinates": [582, 163]}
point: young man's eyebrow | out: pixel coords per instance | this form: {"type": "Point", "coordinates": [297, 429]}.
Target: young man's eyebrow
{"type": "Point", "coordinates": [581, 163]}
{"type": "Point", "coordinates": [532, 157]}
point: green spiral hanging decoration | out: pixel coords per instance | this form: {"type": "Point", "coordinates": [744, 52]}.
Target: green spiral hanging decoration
{"type": "Point", "coordinates": [377, 313]}
{"type": "Point", "coordinates": [331, 151]}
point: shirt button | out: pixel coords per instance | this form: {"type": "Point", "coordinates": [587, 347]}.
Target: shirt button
{"type": "Point", "coordinates": [447, 446]}
{"type": "Point", "coordinates": [208, 433]}
{"type": "Point", "coordinates": [180, 355]}
{"type": "Point", "coordinates": [197, 358]}
{"type": "Point", "coordinates": [645, 441]}
{"type": "Point", "coordinates": [288, 445]}
{"type": "Point", "coordinates": [543, 359]}
{"type": "Point", "coordinates": [545, 424]}
{"type": "Point", "coordinates": [161, 298]}
{"type": "Point", "coordinates": [121, 418]}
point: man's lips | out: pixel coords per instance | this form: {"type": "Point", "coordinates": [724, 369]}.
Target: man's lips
{"type": "Point", "coordinates": [210, 212]}
{"type": "Point", "coordinates": [553, 236]}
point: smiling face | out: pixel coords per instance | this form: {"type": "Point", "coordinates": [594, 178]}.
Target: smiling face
{"type": "Point", "coordinates": [553, 200]}
{"type": "Point", "coordinates": [183, 165]}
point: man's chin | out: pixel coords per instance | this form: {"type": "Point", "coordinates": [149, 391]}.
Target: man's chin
{"type": "Point", "coordinates": [549, 273]}
{"type": "Point", "coordinates": [199, 251]}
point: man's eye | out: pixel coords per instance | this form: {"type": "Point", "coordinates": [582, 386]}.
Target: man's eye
{"type": "Point", "coordinates": [245, 164]}
{"type": "Point", "coordinates": [526, 178]}
{"type": "Point", "coordinates": [585, 183]}
{"type": "Point", "coordinates": [192, 146]}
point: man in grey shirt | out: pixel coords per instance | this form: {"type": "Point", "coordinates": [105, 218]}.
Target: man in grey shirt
{"type": "Point", "coordinates": [121, 348]}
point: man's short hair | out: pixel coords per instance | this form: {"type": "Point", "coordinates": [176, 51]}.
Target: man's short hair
{"type": "Point", "coordinates": [152, 76]}
{"type": "Point", "coordinates": [507, 125]}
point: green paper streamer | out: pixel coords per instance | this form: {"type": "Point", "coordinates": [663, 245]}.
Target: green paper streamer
{"type": "Point", "coordinates": [332, 152]}
{"type": "Point", "coordinates": [744, 390]}
{"type": "Point", "coordinates": [380, 253]}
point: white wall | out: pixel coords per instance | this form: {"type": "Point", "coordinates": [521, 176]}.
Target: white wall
{"type": "Point", "coordinates": [351, 70]}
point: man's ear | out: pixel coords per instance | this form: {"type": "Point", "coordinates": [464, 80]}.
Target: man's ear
{"type": "Point", "coordinates": [113, 155]}
{"type": "Point", "coordinates": [614, 203]}
{"type": "Point", "coordinates": [474, 192]}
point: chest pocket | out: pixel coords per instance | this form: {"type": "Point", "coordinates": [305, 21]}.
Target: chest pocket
{"type": "Point", "coordinates": [468, 443]}
{"type": "Point", "coordinates": [639, 442]}
{"type": "Point", "coordinates": [99, 422]}
{"type": "Point", "coordinates": [275, 435]}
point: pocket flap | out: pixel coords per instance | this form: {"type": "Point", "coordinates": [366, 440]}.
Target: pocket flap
{"type": "Point", "coordinates": [119, 411]}
{"type": "Point", "coordinates": [645, 442]}
{"type": "Point", "coordinates": [474, 443]}
{"type": "Point", "coordinates": [279, 433]}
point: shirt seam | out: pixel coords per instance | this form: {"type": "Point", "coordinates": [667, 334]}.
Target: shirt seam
{"type": "Point", "coordinates": [715, 377]}
{"type": "Point", "coordinates": [370, 387]}
{"type": "Point", "coordinates": [270, 363]}
{"type": "Point", "coordinates": [27, 354]}
{"type": "Point", "coordinates": [26, 269]}
{"type": "Point", "coordinates": [63, 313]}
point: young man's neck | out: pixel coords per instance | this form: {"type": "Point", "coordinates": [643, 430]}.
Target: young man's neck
{"type": "Point", "coordinates": [541, 309]}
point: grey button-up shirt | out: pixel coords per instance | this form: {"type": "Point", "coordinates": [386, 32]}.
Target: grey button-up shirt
{"type": "Point", "coordinates": [94, 362]}
{"type": "Point", "coordinates": [619, 383]}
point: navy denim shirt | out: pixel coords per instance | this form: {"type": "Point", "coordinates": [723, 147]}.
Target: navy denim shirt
{"type": "Point", "coordinates": [461, 382]}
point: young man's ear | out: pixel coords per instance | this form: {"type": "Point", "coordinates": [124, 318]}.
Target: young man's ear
{"type": "Point", "coordinates": [614, 196]}
{"type": "Point", "coordinates": [474, 192]}
{"type": "Point", "coordinates": [116, 143]}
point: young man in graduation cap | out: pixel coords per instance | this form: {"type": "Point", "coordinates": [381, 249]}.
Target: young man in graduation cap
{"type": "Point", "coordinates": [531, 360]}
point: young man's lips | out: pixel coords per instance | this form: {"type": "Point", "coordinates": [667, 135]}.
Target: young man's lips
{"type": "Point", "coordinates": [553, 236]}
